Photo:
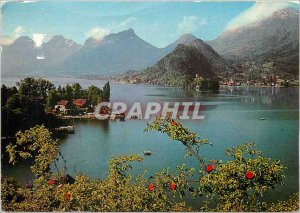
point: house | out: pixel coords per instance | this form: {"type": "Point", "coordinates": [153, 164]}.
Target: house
{"type": "Point", "coordinates": [63, 106]}
{"type": "Point", "coordinates": [80, 103]}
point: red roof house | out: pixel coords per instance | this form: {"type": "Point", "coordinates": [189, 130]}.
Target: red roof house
{"type": "Point", "coordinates": [81, 103]}
{"type": "Point", "coordinates": [62, 102]}
{"type": "Point", "coordinates": [63, 106]}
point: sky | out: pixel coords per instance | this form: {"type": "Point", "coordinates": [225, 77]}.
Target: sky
{"type": "Point", "coordinates": [159, 23]}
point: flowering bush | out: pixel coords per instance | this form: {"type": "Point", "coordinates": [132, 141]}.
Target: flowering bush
{"type": "Point", "coordinates": [235, 184]}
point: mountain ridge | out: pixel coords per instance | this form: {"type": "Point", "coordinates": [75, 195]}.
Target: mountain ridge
{"type": "Point", "coordinates": [271, 39]}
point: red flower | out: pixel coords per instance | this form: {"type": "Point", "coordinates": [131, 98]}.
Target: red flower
{"type": "Point", "coordinates": [68, 196]}
{"type": "Point", "coordinates": [151, 187]}
{"type": "Point", "coordinates": [51, 182]}
{"type": "Point", "coordinates": [249, 175]}
{"type": "Point", "coordinates": [173, 186]}
{"type": "Point", "coordinates": [174, 123]}
{"type": "Point", "coordinates": [209, 168]}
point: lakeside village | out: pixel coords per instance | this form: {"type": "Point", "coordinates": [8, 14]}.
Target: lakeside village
{"type": "Point", "coordinates": [246, 74]}
{"type": "Point", "coordinates": [37, 101]}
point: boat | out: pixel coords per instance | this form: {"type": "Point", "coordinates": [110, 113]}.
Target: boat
{"type": "Point", "coordinates": [147, 152]}
{"type": "Point", "coordinates": [262, 119]}
{"type": "Point", "coordinates": [68, 129]}
{"type": "Point", "coordinates": [71, 129]}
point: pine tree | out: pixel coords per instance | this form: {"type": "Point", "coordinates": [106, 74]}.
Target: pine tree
{"type": "Point", "coordinates": [106, 92]}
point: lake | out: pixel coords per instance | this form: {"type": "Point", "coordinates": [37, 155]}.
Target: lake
{"type": "Point", "coordinates": [232, 116]}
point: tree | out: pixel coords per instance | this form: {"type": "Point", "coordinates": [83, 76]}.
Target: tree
{"type": "Point", "coordinates": [118, 192]}
{"type": "Point", "coordinates": [77, 90]}
{"type": "Point", "coordinates": [69, 92]}
{"type": "Point", "coordinates": [7, 92]}
{"type": "Point", "coordinates": [34, 144]}
{"type": "Point", "coordinates": [52, 99]}
{"type": "Point", "coordinates": [162, 191]}
{"type": "Point", "coordinates": [31, 87]}
{"type": "Point", "coordinates": [236, 184]}
{"type": "Point", "coordinates": [93, 95]}
{"type": "Point", "coordinates": [106, 92]}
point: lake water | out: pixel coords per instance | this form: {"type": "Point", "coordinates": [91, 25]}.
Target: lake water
{"type": "Point", "coordinates": [232, 116]}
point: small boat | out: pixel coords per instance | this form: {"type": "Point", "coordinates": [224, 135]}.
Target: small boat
{"type": "Point", "coordinates": [68, 129]}
{"type": "Point", "coordinates": [71, 129]}
{"type": "Point", "coordinates": [262, 119]}
{"type": "Point", "coordinates": [147, 152]}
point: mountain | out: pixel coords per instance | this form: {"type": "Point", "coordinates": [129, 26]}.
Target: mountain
{"type": "Point", "coordinates": [115, 53]}
{"type": "Point", "coordinates": [184, 39]}
{"type": "Point", "coordinates": [58, 48]}
{"type": "Point", "coordinates": [182, 65]}
{"type": "Point", "coordinates": [20, 58]}
{"type": "Point", "coordinates": [275, 38]}
{"type": "Point", "coordinates": [205, 49]}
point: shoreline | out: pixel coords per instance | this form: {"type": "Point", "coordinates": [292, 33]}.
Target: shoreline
{"type": "Point", "coordinates": [130, 83]}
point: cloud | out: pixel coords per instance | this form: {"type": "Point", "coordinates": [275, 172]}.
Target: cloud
{"type": "Point", "coordinates": [8, 40]}
{"type": "Point", "coordinates": [127, 22]}
{"type": "Point", "coordinates": [38, 39]}
{"type": "Point", "coordinates": [25, 2]}
{"type": "Point", "coordinates": [97, 33]}
{"type": "Point", "coordinates": [258, 12]}
{"type": "Point", "coordinates": [18, 31]}
{"type": "Point", "coordinates": [190, 24]}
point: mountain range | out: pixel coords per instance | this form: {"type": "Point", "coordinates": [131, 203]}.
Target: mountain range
{"type": "Point", "coordinates": [273, 39]}
{"type": "Point", "coordinates": [114, 54]}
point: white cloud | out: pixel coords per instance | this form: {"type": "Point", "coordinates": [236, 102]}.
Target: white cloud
{"type": "Point", "coordinates": [38, 39]}
{"type": "Point", "coordinates": [97, 33]}
{"type": "Point", "coordinates": [6, 40]}
{"type": "Point", "coordinates": [190, 24]}
{"type": "Point", "coordinates": [18, 31]}
{"type": "Point", "coordinates": [26, 2]}
{"type": "Point", "coordinates": [258, 12]}
{"type": "Point", "coordinates": [128, 21]}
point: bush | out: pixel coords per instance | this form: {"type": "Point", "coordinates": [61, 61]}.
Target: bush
{"type": "Point", "coordinates": [234, 185]}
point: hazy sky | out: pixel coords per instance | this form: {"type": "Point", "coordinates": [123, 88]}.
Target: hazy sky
{"type": "Point", "coordinates": [159, 23]}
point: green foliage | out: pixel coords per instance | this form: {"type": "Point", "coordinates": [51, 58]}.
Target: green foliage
{"type": "Point", "coordinates": [227, 183]}
{"type": "Point", "coordinates": [21, 112]}
{"type": "Point", "coordinates": [77, 90]}
{"type": "Point", "coordinates": [171, 126]}
{"type": "Point", "coordinates": [31, 87]}
{"type": "Point", "coordinates": [290, 205]}
{"type": "Point", "coordinates": [9, 190]}
{"type": "Point", "coordinates": [94, 95]}
{"type": "Point", "coordinates": [119, 192]}
{"type": "Point", "coordinates": [227, 186]}
{"type": "Point", "coordinates": [106, 92]}
{"type": "Point", "coordinates": [34, 144]}
{"type": "Point", "coordinates": [6, 93]}
{"type": "Point", "coordinates": [205, 84]}
{"type": "Point", "coordinates": [52, 99]}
